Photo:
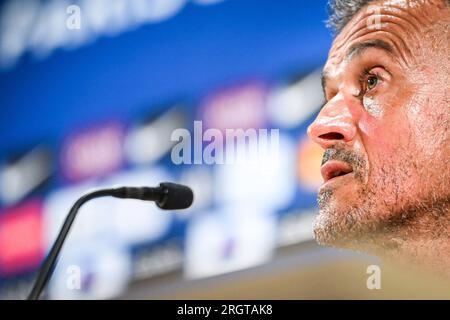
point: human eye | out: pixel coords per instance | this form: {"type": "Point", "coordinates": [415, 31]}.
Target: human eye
{"type": "Point", "coordinates": [369, 80]}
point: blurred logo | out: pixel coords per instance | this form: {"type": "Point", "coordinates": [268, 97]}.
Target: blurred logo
{"type": "Point", "coordinates": [93, 152]}
{"type": "Point", "coordinates": [149, 141]}
{"type": "Point", "coordinates": [270, 182]}
{"type": "Point", "coordinates": [290, 105]}
{"type": "Point", "coordinates": [21, 238]}
{"type": "Point", "coordinates": [229, 240]}
{"type": "Point", "coordinates": [235, 107]}
{"type": "Point", "coordinates": [309, 158]}
{"type": "Point", "coordinates": [22, 175]}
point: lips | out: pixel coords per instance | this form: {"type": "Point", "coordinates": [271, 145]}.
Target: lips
{"type": "Point", "coordinates": [333, 169]}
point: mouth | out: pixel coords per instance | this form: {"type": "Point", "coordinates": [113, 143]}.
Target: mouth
{"type": "Point", "coordinates": [334, 169]}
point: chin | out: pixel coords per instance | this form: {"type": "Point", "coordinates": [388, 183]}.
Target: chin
{"type": "Point", "coordinates": [332, 228]}
{"type": "Point", "coordinates": [347, 222]}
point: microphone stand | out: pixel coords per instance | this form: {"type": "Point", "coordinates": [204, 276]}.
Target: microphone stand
{"type": "Point", "coordinates": [50, 261]}
{"type": "Point", "coordinates": [168, 196]}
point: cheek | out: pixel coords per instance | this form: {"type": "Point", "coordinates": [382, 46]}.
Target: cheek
{"type": "Point", "coordinates": [380, 138]}
{"type": "Point", "coordinates": [428, 120]}
{"type": "Point", "coordinates": [387, 142]}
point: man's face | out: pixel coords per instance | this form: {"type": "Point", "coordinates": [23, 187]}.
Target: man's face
{"type": "Point", "coordinates": [385, 125]}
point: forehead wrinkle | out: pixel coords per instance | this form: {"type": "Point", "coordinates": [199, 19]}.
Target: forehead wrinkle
{"type": "Point", "coordinates": [398, 43]}
{"type": "Point", "coordinates": [389, 21]}
{"type": "Point", "coordinates": [402, 14]}
{"type": "Point", "coordinates": [340, 42]}
{"type": "Point", "coordinates": [390, 10]}
{"type": "Point", "coordinates": [430, 8]}
{"type": "Point", "coordinates": [359, 29]}
{"type": "Point", "coordinates": [411, 9]}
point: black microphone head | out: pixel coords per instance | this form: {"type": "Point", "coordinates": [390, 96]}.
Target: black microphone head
{"type": "Point", "coordinates": [175, 196]}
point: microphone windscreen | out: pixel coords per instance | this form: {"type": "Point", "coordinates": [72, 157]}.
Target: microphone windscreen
{"type": "Point", "coordinates": [175, 196]}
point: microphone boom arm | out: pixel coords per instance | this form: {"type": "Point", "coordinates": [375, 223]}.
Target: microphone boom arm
{"type": "Point", "coordinates": [50, 261]}
{"type": "Point", "coordinates": [168, 196]}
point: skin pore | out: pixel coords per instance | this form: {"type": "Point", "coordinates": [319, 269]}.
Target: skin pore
{"type": "Point", "coordinates": [387, 116]}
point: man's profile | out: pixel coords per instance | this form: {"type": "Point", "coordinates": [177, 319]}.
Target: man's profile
{"type": "Point", "coordinates": [385, 130]}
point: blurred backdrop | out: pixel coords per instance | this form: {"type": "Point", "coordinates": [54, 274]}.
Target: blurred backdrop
{"type": "Point", "coordinates": [94, 104]}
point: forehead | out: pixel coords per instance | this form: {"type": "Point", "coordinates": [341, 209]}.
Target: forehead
{"type": "Point", "coordinates": [402, 24]}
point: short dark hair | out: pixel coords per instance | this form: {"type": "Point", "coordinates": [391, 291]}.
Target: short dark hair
{"type": "Point", "coordinates": [342, 11]}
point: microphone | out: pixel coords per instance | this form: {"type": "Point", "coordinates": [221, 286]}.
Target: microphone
{"type": "Point", "coordinates": [168, 196]}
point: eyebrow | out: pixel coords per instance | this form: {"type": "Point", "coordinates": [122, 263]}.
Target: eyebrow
{"type": "Point", "coordinates": [357, 50]}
